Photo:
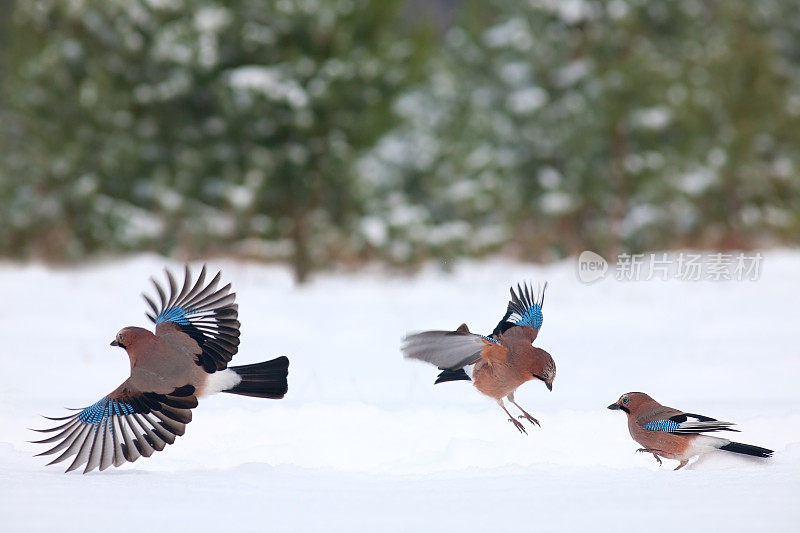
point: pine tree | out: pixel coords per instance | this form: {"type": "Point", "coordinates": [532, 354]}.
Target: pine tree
{"type": "Point", "coordinates": [195, 125]}
{"type": "Point", "coordinates": [615, 126]}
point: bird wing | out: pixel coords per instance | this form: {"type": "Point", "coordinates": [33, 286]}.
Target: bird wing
{"type": "Point", "coordinates": [207, 315]}
{"type": "Point", "coordinates": [680, 423]}
{"type": "Point", "coordinates": [122, 426]}
{"type": "Point", "coordinates": [524, 309]}
{"type": "Point", "coordinates": [451, 350]}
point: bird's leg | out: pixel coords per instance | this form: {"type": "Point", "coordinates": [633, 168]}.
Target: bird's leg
{"type": "Point", "coordinates": [683, 463]}
{"type": "Point", "coordinates": [654, 452]}
{"type": "Point", "coordinates": [517, 423]}
{"type": "Point", "coordinates": [525, 413]}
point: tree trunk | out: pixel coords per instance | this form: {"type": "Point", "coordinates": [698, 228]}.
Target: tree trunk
{"type": "Point", "coordinates": [301, 256]}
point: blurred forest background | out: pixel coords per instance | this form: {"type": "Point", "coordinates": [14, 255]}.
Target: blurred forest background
{"type": "Point", "coordinates": [334, 132]}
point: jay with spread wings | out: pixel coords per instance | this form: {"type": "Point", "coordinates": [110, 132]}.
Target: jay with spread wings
{"type": "Point", "coordinates": [672, 434]}
{"type": "Point", "coordinates": [196, 336]}
{"type": "Point", "coordinates": [501, 361]}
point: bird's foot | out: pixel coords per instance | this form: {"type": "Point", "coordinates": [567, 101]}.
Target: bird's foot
{"type": "Point", "coordinates": [681, 465]}
{"type": "Point", "coordinates": [648, 450]}
{"type": "Point", "coordinates": [518, 425]}
{"type": "Point", "coordinates": [530, 419]}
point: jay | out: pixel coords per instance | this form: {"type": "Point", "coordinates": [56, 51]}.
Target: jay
{"type": "Point", "coordinates": [499, 362]}
{"type": "Point", "coordinates": [185, 358]}
{"type": "Point", "coordinates": [672, 434]}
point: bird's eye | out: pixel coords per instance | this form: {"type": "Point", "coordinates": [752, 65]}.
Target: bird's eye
{"type": "Point", "coordinates": [625, 400]}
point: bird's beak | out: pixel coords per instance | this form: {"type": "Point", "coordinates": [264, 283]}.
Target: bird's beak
{"type": "Point", "coordinates": [549, 386]}
{"type": "Point", "coordinates": [614, 406]}
{"type": "Point", "coordinates": [114, 343]}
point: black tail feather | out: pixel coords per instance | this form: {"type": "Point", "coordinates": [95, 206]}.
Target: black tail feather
{"type": "Point", "coordinates": [262, 380]}
{"type": "Point", "coordinates": [452, 375]}
{"type": "Point", "coordinates": [747, 449]}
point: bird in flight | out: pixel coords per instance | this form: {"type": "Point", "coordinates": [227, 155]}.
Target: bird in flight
{"type": "Point", "coordinates": [499, 362]}
{"type": "Point", "coordinates": [186, 357]}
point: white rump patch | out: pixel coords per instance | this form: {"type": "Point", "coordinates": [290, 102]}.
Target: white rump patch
{"type": "Point", "coordinates": [220, 381]}
{"type": "Point", "coordinates": [469, 370]}
{"type": "Point", "coordinates": [705, 443]}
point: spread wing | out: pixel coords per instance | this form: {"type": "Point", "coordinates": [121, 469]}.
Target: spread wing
{"type": "Point", "coordinates": [451, 350]}
{"type": "Point", "coordinates": [688, 424]}
{"type": "Point", "coordinates": [524, 309]}
{"type": "Point", "coordinates": [207, 315]}
{"type": "Point", "coordinates": [123, 426]}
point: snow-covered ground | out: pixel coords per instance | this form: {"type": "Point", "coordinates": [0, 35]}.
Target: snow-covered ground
{"type": "Point", "coordinates": [365, 442]}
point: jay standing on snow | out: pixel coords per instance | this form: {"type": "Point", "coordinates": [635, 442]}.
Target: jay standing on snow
{"type": "Point", "coordinates": [501, 361]}
{"type": "Point", "coordinates": [196, 335]}
{"type": "Point", "coordinates": [672, 434]}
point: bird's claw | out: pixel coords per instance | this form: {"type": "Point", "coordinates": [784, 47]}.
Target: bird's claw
{"type": "Point", "coordinates": [648, 450]}
{"type": "Point", "coordinates": [530, 419]}
{"type": "Point", "coordinates": [518, 425]}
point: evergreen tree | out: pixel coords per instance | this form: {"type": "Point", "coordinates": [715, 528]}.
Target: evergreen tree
{"type": "Point", "coordinates": [195, 124]}
{"type": "Point", "coordinates": [271, 129]}
{"type": "Point", "coordinates": [622, 125]}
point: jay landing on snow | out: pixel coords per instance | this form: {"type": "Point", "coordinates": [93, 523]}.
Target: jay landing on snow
{"type": "Point", "coordinates": [501, 361]}
{"type": "Point", "coordinates": [196, 335]}
{"type": "Point", "coordinates": [672, 434]}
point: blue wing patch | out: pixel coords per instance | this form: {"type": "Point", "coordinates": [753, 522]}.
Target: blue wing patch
{"type": "Point", "coordinates": [667, 426]}
{"type": "Point", "coordinates": [103, 409]}
{"type": "Point", "coordinates": [174, 314]}
{"type": "Point", "coordinates": [524, 309]}
{"type": "Point", "coordinates": [532, 317]}
{"type": "Point", "coordinates": [104, 434]}
{"type": "Point", "coordinates": [207, 314]}
{"type": "Point", "coordinates": [488, 338]}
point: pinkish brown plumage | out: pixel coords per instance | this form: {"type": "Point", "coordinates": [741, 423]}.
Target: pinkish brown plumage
{"type": "Point", "coordinates": [673, 434]}
{"type": "Point", "coordinates": [196, 336]}
{"type": "Point", "coordinates": [500, 362]}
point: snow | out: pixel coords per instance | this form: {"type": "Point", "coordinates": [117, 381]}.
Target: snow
{"type": "Point", "coordinates": [273, 82]}
{"type": "Point", "coordinates": [527, 100]}
{"type": "Point", "coordinates": [374, 230]}
{"type": "Point", "coordinates": [212, 19]}
{"type": "Point", "coordinates": [697, 180]}
{"type": "Point", "coordinates": [365, 442]}
{"type": "Point", "coordinates": [556, 202]}
{"type": "Point", "coordinates": [513, 33]}
{"type": "Point", "coordinates": [652, 118]}
{"type": "Point", "coordinates": [549, 177]}
{"type": "Point", "coordinates": [573, 72]}
{"type": "Point", "coordinates": [240, 196]}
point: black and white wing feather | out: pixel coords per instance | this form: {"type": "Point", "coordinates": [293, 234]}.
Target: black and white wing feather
{"type": "Point", "coordinates": [122, 426]}
{"type": "Point", "coordinates": [688, 424]}
{"type": "Point", "coordinates": [205, 313]}
{"type": "Point", "coordinates": [524, 309]}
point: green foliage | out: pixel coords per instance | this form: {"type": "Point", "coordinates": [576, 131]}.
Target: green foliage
{"type": "Point", "coordinates": [621, 125]}
{"type": "Point", "coordinates": [327, 131]}
{"type": "Point", "coordinates": [193, 125]}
